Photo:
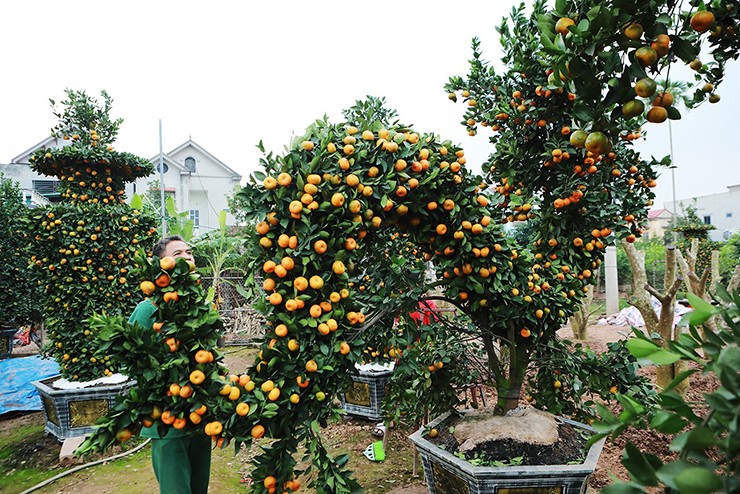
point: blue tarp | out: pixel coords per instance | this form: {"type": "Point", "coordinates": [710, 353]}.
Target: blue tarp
{"type": "Point", "coordinates": [16, 375]}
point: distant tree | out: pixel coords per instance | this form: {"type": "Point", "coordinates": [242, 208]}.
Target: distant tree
{"type": "Point", "coordinates": [729, 257]}
{"type": "Point", "coordinates": [178, 223]}
{"type": "Point", "coordinates": [689, 226]}
{"type": "Point", "coordinates": [22, 297]}
{"type": "Point", "coordinates": [238, 206]}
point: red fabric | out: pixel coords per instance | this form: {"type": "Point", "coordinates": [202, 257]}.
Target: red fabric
{"type": "Point", "coordinates": [24, 337]}
{"type": "Point", "coordinates": [425, 313]}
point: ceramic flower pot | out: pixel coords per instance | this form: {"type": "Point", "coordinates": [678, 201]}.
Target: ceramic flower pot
{"type": "Point", "coordinates": [446, 473]}
{"type": "Point", "coordinates": [73, 412]}
{"type": "Point", "coordinates": [6, 341]}
{"type": "Point", "coordinates": [364, 397]}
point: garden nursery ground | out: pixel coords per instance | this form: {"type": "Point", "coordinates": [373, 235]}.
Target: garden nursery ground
{"type": "Point", "coordinates": [28, 456]}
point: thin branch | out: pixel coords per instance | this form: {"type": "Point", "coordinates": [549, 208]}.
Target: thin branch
{"type": "Point", "coordinates": [655, 293]}
{"type": "Point", "coordinates": [448, 300]}
{"type": "Point", "coordinates": [703, 281]}
{"type": "Point", "coordinates": [673, 290]}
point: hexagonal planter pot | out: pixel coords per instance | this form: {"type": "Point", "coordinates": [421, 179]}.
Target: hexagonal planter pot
{"type": "Point", "coordinates": [6, 341]}
{"type": "Point", "coordinates": [73, 412]}
{"type": "Point", "coordinates": [364, 397]}
{"type": "Point", "coordinates": [446, 473]}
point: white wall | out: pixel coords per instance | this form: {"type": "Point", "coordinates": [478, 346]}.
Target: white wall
{"type": "Point", "coordinates": [723, 210]}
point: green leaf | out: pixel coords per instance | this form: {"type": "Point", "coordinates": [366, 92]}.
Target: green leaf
{"type": "Point", "coordinates": [136, 202]}
{"type": "Point", "coordinates": [639, 465]}
{"type": "Point", "coordinates": [697, 480]}
{"type": "Point", "coordinates": [698, 439]}
{"type": "Point", "coordinates": [664, 357]}
{"type": "Point", "coordinates": [170, 206]}
{"type": "Point", "coordinates": [703, 310]}
{"type": "Point", "coordinates": [673, 113]}
{"type": "Point", "coordinates": [222, 220]}
{"type": "Point", "coordinates": [622, 488]}
{"type": "Point", "coordinates": [667, 422]}
{"type": "Point", "coordinates": [641, 348]}
{"type": "Point", "coordinates": [685, 50]}
{"type": "Point", "coordinates": [678, 379]}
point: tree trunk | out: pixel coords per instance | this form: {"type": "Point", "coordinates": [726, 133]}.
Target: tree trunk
{"type": "Point", "coordinates": [579, 320]}
{"type": "Point", "coordinates": [640, 298]}
{"type": "Point", "coordinates": [735, 280]}
{"type": "Point", "coordinates": [715, 273]}
{"type": "Point", "coordinates": [657, 325]}
{"type": "Point", "coordinates": [696, 285]}
{"type": "Point", "coordinates": [509, 384]}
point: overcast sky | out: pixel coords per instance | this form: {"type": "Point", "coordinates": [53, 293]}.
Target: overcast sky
{"type": "Point", "coordinates": [231, 73]}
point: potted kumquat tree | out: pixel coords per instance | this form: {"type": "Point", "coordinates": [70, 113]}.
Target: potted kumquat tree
{"type": "Point", "coordinates": [82, 249]}
{"type": "Point", "coordinates": [563, 123]}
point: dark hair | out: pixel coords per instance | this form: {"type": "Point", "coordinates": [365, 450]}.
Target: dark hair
{"type": "Point", "coordinates": [160, 246]}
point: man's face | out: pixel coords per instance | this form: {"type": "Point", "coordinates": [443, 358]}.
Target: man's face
{"type": "Point", "coordinates": [178, 248]}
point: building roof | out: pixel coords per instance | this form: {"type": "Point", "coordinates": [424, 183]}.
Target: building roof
{"type": "Point", "coordinates": [50, 141]}
{"type": "Point", "coordinates": [659, 213]}
{"type": "Point", "coordinates": [193, 144]}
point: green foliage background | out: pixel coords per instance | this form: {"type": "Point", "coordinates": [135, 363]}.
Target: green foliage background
{"type": "Point", "coordinates": [21, 297]}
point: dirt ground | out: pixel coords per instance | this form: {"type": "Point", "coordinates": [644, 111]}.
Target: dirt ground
{"type": "Point", "coordinates": [343, 437]}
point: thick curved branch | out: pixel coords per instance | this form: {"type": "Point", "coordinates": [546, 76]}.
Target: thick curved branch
{"type": "Point", "coordinates": [715, 273]}
{"type": "Point", "coordinates": [450, 301]}
{"type": "Point", "coordinates": [673, 290]}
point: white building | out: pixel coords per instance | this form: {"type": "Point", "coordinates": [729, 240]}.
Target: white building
{"type": "Point", "coordinates": [720, 210]}
{"type": "Point", "coordinates": [197, 180]}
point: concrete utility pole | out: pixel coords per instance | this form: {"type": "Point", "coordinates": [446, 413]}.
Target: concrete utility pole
{"type": "Point", "coordinates": [673, 184]}
{"type": "Point", "coordinates": [161, 182]}
{"type": "Point", "coordinates": [611, 280]}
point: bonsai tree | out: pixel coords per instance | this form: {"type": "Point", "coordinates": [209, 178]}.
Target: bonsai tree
{"type": "Point", "coordinates": [563, 122]}
{"type": "Point", "coordinates": [24, 296]}
{"type": "Point", "coordinates": [82, 246]}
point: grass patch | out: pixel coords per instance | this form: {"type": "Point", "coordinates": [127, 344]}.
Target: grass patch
{"type": "Point", "coordinates": [25, 432]}
{"type": "Point", "coordinates": [27, 456]}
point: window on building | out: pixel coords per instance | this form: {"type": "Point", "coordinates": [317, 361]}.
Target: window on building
{"type": "Point", "coordinates": [707, 220]}
{"type": "Point", "coordinates": [164, 167]}
{"type": "Point", "coordinates": [195, 216]}
{"type": "Point", "coordinates": [190, 164]}
{"type": "Point", "coordinates": [46, 187]}
{"type": "Point", "coordinates": [728, 215]}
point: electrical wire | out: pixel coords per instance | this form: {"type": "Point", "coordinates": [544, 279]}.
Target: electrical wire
{"type": "Point", "coordinates": [86, 465]}
{"type": "Point", "coordinates": [208, 200]}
